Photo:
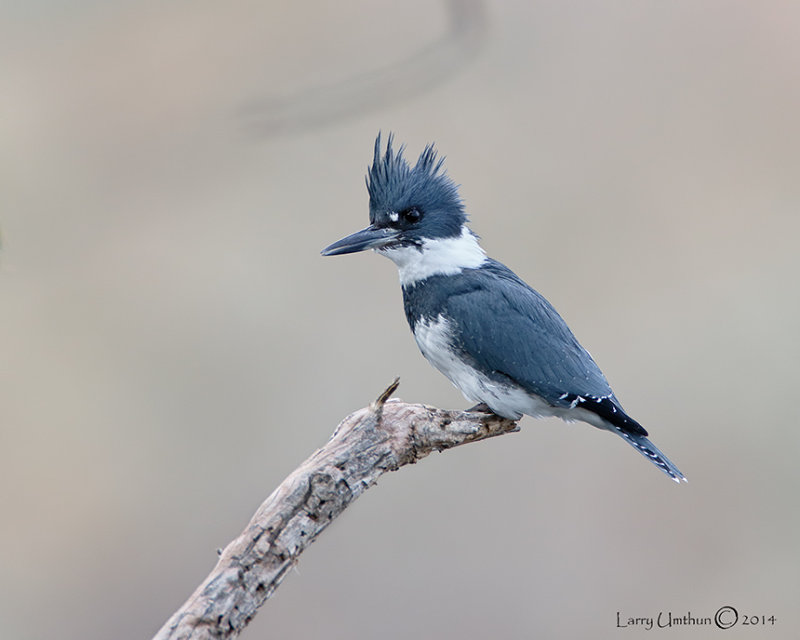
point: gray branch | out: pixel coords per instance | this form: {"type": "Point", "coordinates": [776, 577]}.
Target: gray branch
{"type": "Point", "coordinates": [382, 437]}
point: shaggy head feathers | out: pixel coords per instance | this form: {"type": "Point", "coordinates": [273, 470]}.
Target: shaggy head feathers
{"type": "Point", "coordinates": [395, 186]}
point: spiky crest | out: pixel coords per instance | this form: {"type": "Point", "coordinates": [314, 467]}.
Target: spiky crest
{"type": "Point", "coordinates": [393, 185]}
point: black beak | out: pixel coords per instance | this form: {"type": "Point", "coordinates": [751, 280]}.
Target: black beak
{"type": "Point", "coordinates": [370, 238]}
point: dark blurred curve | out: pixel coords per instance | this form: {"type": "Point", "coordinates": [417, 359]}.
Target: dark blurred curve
{"type": "Point", "coordinates": [422, 71]}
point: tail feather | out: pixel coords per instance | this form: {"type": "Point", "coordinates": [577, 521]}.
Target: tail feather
{"type": "Point", "coordinates": [652, 453]}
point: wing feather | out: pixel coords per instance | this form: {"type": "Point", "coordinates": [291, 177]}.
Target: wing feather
{"type": "Point", "coordinates": [513, 330]}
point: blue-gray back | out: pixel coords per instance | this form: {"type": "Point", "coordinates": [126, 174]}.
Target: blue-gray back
{"type": "Point", "coordinates": [509, 330]}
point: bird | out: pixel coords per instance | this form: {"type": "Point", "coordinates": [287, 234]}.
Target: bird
{"type": "Point", "coordinates": [499, 341]}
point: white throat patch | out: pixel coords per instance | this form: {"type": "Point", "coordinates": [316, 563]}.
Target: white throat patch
{"type": "Point", "coordinates": [447, 256]}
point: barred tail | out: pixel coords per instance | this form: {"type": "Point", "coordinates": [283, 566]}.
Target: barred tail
{"type": "Point", "coordinates": [652, 453]}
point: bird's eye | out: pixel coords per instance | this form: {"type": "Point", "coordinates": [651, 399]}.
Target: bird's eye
{"type": "Point", "coordinates": [411, 215]}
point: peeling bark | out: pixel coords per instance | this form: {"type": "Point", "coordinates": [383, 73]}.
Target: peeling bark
{"type": "Point", "coordinates": [382, 437]}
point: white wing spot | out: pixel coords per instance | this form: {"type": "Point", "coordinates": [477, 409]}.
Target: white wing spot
{"type": "Point", "coordinates": [576, 401]}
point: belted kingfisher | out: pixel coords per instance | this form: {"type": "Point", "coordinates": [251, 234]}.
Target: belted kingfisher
{"type": "Point", "coordinates": [497, 340]}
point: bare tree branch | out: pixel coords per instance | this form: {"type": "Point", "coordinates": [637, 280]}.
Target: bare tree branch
{"type": "Point", "coordinates": [382, 437]}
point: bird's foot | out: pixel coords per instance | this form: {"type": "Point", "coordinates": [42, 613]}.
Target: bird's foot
{"type": "Point", "coordinates": [481, 407]}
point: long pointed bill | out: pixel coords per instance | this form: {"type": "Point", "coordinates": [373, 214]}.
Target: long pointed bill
{"type": "Point", "coordinates": [369, 238]}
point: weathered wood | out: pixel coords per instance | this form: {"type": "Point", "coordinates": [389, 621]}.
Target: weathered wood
{"type": "Point", "coordinates": [382, 437]}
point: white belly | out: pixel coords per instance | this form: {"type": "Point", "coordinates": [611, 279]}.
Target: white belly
{"type": "Point", "coordinates": [434, 339]}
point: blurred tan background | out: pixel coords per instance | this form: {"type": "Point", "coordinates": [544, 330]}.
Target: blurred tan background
{"type": "Point", "coordinates": [173, 344]}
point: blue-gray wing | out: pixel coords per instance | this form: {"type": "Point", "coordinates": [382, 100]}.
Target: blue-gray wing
{"type": "Point", "coordinates": [511, 330]}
